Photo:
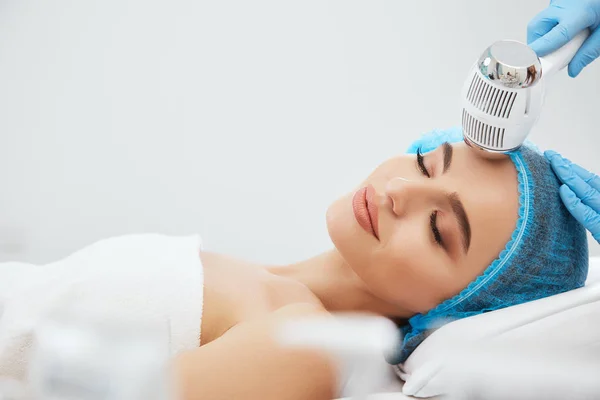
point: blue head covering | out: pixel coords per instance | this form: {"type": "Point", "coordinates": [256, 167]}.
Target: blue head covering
{"type": "Point", "coordinates": [546, 255]}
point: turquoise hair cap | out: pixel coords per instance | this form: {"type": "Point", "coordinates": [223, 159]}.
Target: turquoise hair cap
{"type": "Point", "coordinates": [546, 255]}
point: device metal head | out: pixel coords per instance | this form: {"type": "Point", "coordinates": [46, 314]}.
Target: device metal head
{"type": "Point", "coordinates": [503, 94]}
{"type": "Point", "coordinates": [510, 64]}
{"type": "Point", "coordinates": [501, 98]}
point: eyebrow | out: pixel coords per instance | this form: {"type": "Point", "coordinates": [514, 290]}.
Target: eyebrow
{"type": "Point", "coordinates": [448, 150]}
{"type": "Point", "coordinates": [461, 217]}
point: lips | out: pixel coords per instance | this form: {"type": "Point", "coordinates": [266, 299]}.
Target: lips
{"type": "Point", "coordinates": [365, 210]}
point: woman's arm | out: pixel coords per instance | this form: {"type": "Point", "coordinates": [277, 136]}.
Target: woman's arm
{"type": "Point", "coordinates": [247, 363]}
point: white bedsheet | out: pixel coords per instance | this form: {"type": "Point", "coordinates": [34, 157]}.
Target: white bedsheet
{"type": "Point", "coordinates": [391, 391]}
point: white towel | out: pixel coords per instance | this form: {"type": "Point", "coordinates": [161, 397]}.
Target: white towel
{"type": "Point", "coordinates": [147, 276]}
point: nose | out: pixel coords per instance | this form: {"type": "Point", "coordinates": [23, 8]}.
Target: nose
{"type": "Point", "coordinates": [406, 194]}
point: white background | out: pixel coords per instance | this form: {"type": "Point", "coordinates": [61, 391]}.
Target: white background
{"type": "Point", "coordinates": [239, 120]}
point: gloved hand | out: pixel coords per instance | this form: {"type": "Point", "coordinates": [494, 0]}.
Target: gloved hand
{"type": "Point", "coordinates": [557, 24]}
{"type": "Point", "coordinates": [580, 192]}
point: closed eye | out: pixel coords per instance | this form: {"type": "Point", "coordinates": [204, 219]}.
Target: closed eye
{"type": "Point", "coordinates": [421, 163]}
{"type": "Point", "coordinates": [434, 228]}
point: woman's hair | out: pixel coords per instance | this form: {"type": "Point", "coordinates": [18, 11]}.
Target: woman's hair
{"type": "Point", "coordinates": [546, 255]}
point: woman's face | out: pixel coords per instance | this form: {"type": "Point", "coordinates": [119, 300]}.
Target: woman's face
{"type": "Point", "coordinates": [419, 229]}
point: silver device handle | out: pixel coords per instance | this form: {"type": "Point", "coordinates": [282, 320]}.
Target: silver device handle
{"type": "Point", "coordinates": [557, 60]}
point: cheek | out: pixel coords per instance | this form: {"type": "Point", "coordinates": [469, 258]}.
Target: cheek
{"type": "Point", "coordinates": [410, 272]}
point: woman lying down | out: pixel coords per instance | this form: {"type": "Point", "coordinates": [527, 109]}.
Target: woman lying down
{"type": "Point", "coordinates": [434, 235]}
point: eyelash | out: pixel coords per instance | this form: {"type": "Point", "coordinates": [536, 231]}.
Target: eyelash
{"type": "Point", "coordinates": [421, 163]}
{"type": "Point", "coordinates": [434, 228]}
{"type": "Point", "coordinates": [433, 217]}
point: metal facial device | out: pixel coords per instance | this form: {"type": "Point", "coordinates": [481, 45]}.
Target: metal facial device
{"type": "Point", "coordinates": [503, 94]}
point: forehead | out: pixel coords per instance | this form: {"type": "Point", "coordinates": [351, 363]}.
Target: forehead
{"type": "Point", "coordinates": [489, 192]}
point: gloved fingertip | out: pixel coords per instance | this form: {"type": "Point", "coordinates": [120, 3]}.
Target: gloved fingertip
{"type": "Point", "coordinates": [535, 46]}
{"type": "Point", "coordinates": [567, 195]}
{"type": "Point", "coordinates": [574, 69]}
{"type": "Point", "coordinates": [556, 160]}
{"type": "Point", "coordinates": [565, 190]}
{"type": "Point", "coordinates": [543, 46]}
{"type": "Point", "coordinates": [532, 36]}
{"type": "Point", "coordinates": [566, 161]}
{"type": "Point", "coordinates": [563, 170]}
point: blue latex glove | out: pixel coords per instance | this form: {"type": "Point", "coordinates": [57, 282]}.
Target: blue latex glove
{"type": "Point", "coordinates": [580, 192]}
{"type": "Point", "coordinates": [557, 24]}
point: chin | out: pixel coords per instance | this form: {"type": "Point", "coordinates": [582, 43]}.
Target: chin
{"type": "Point", "coordinates": [339, 222]}
{"type": "Point", "coordinates": [344, 231]}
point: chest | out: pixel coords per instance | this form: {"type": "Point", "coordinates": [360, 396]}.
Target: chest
{"type": "Point", "coordinates": [236, 292]}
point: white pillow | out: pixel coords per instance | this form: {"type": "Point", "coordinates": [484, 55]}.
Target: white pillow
{"type": "Point", "coordinates": [568, 321]}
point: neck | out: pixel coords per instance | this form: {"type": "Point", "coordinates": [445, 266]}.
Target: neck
{"type": "Point", "coordinates": [336, 285]}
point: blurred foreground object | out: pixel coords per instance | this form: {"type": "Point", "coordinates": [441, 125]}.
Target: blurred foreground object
{"type": "Point", "coordinates": [11, 389]}
{"type": "Point", "coordinates": [82, 356]}
{"type": "Point", "coordinates": [358, 343]}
